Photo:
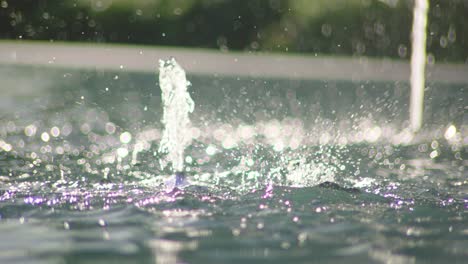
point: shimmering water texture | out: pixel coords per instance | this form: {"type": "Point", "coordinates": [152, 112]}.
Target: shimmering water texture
{"type": "Point", "coordinates": [280, 171]}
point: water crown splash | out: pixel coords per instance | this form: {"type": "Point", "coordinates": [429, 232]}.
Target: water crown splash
{"type": "Point", "coordinates": [177, 104]}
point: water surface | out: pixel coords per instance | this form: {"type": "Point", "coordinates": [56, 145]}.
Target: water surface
{"type": "Point", "coordinates": [282, 171]}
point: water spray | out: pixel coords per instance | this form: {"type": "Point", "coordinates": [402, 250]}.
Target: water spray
{"type": "Point", "coordinates": [177, 104]}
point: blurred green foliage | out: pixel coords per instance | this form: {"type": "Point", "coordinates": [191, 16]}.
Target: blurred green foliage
{"type": "Point", "coordinates": [338, 27]}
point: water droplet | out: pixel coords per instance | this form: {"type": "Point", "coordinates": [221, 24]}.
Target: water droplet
{"type": "Point", "coordinates": [402, 51]}
{"type": "Point", "coordinates": [30, 130]}
{"type": "Point", "coordinates": [235, 232]}
{"type": "Point", "coordinates": [55, 131]}
{"type": "Point", "coordinates": [125, 137]}
{"type": "Point", "coordinates": [122, 152]}
{"type": "Point", "coordinates": [211, 150]}
{"type": "Point", "coordinates": [302, 237]}
{"type": "Point", "coordinates": [327, 30]}
{"type": "Point", "coordinates": [101, 222]}
{"type": "Point", "coordinates": [45, 137]}
{"type": "Point", "coordinates": [450, 132]}
{"type": "Point", "coordinates": [443, 41]}
{"type": "Point", "coordinates": [110, 128]}
{"type": "Point", "coordinates": [5, 146]}
{"type": "Point", "coordinates": [285, 245]}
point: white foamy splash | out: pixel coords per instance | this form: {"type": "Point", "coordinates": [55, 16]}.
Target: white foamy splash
{"type": "Point", "coordinates": [177, 105]}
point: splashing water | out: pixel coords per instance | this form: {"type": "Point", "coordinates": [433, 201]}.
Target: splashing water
{"type": "Point", "coordinates": [67, 181]}
{"type": "Point", "coordinates": [177, 105]}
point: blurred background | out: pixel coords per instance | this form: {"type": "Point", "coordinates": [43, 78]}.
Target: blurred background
{"type": "Point", "coordinates": [379, 28]}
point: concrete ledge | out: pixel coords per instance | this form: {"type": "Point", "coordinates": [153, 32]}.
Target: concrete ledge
{"type": "Point", "coordinates": [208, 62]}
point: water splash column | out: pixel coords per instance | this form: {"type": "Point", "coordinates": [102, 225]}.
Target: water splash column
{"type": "Point", "coordinates": [177, 104]}
{"type": "Point", "coordinates": [418, 63]}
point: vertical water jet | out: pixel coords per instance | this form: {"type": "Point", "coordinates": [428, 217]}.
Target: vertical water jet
{"type": "Point", "coordinates": [418, 63]}
{"type": "Point", "coordinates": [177, 104]}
